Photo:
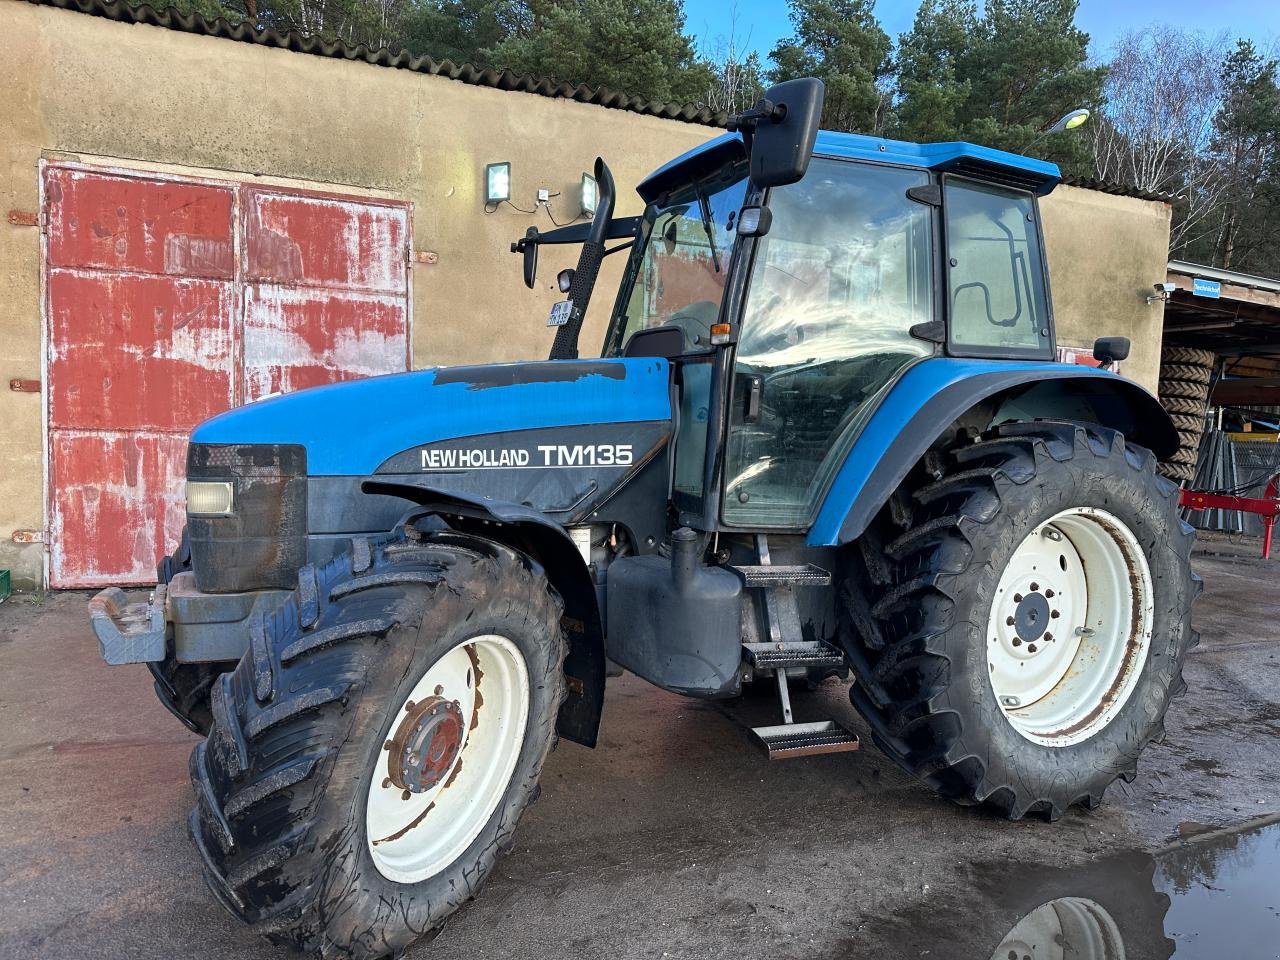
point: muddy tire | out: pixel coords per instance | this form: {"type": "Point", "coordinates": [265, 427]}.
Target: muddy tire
{"type": "Point", "coordinates": [184, 688]}
{"type": "Point", "coordinates": [966, 603]}
{"type": "Point", "coordinates": [445, 653]}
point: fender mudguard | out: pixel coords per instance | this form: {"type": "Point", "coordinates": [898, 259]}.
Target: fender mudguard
{"type": "Point", "coordinates": [935, 393]}
{"type": "Point", "coordinates": [548, 543]}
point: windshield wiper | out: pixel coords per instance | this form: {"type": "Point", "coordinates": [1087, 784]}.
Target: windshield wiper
{"type": "Point", "coordinates": [704, 207]}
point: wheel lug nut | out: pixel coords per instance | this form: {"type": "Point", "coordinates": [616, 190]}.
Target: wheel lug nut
{"type": "Point", "coordinates": [1031, 648]}
{"type": "Point", "coordinates": [1017, 642]}
{"type": "Point", "coordinates": [1048, 636]}
{"type": "Point", "coordinates": [1009, 621]}
{"type": "Point", "coordinates": [1035, 587]}
{"type": "Point", "coordinates": [1053, 614]}
{"type": "Point", "coordinates": [1048, 594]}
{"type": "Point", "coordinates": [1017, 598]}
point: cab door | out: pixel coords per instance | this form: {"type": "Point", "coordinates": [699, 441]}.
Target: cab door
{"type": "Point", "coordinates": [839, 281]}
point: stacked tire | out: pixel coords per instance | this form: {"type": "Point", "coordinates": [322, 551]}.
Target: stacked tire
{"type": "Point", "coordinates": [1185, 375]}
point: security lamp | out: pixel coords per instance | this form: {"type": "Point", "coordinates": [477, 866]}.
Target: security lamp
{"type": "Point", "coordinates": [497, 182]}
{"type": "Point", "coordinates": [590, 195]}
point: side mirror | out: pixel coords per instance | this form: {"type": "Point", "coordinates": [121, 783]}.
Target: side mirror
{"type": "Point", "coordinates": [531, 257]}
{"type": "Point", "coordinates": [781, 130]}
{"type": "Point", "coordinates": [1108, 350]}
{"type": "Point", "coordinates": [669, 237]}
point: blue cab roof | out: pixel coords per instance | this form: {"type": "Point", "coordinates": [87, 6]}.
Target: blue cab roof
{"type": "Point", "coordinates": [1040, 176]}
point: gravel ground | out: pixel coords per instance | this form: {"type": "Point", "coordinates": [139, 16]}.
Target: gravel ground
{"type": "Point", "coordinates": [673, 838]}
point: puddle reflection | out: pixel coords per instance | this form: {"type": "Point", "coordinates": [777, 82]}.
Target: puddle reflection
{"type": "Point", "coordinates": [1213, 895]}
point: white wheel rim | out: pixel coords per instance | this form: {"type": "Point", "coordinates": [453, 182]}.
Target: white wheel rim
{"type": "Point", "coordinates": [1070, 627]}
{"type": "Point", "coordinates": [413, 835]}
{"type": "Point", "coordinates": [1069, 927]}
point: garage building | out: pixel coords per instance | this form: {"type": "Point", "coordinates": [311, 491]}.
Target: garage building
{"type": "Point", "coordinates": [198, 215]}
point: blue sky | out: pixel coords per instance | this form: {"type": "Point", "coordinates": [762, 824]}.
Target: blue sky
{"type": "Point", "coordinates": [765, 21]}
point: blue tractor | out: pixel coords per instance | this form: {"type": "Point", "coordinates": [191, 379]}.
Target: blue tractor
{"type": "Point", "coordinates": [825, 435]}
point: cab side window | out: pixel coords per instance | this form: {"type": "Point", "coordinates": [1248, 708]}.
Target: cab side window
{"type": "Point", "coordinates": [995, 274]}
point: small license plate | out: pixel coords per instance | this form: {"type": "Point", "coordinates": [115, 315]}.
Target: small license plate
{"type": "Point", "coordinates": [560, 313]}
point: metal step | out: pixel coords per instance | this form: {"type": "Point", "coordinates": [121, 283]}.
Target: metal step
{"type": "Point", "coordinates": [803, 653]}
{"type": "Point", "coordinates": [788, 740]}
{"type": "Point", "coordinates": [768, 575]}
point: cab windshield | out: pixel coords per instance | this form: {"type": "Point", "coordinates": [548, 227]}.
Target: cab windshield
{"type": "Point", "coordinates": [677, 271]}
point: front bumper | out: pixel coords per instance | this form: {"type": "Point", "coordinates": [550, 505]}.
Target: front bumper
{"type": "Point", "coordinates": [203, 627]}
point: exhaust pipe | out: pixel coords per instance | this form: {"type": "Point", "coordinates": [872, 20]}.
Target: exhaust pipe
{"type": "Point", "coordinates": [565, 346]}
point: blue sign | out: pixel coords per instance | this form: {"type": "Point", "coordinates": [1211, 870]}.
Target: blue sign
{"type": "Point", "coordinates": [1206, 288]}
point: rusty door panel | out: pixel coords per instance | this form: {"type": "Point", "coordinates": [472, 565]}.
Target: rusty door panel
{"type": "Point", "coordinates": [296, 337]}
{"type": "Point", "coordinates": [131, 352]}
{"type": "Point", "coordinates": [118, 507]}
{"type": "Point", "coordinates": [155, 324]}
{"type": "Point", "coordinates": [322, 241]}
{"type": "Point", "coordinates": [139, 224]}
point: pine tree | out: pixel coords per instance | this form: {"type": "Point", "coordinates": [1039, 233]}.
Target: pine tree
{"type": "Point", "coordinates": [636, 46]}
{"type": "Point", "coordinates": [840, 42]}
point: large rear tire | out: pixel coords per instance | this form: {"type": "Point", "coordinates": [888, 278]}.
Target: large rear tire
{"type": "Point", "coordinates": [1028, 618]}
{"type": "Point", "coordinates": [371, 754]}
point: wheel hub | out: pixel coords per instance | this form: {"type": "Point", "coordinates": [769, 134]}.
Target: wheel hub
{"type": "Point", "coordinates": [425, 744]}
{"type": "Point", "coordinates": [1031, 617]}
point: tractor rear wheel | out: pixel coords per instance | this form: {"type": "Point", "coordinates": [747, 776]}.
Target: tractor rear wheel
{"type": "Point", "coordinates": [372, 752]}
{"type": "Point", "coordinates": [1028, 618]}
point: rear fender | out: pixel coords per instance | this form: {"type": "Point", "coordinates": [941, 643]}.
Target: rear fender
{"type": "Point", "coordinates": [935, 396]}
{"type": "Point", "coordinates": [547, 543]}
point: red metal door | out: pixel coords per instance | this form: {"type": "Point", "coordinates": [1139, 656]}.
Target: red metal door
{"type": "Point", "coordinates": [326, 289]}
{"type": "Point", "coordinates": [154, 324]}
{"type": "Point", "coordinates": [141, 303]}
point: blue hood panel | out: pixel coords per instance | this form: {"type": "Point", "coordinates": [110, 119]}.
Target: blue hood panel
{"type": "Point", "coordinates": [350, 428]}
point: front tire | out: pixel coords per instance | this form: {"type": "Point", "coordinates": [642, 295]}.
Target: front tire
{"type": "Point", "coordinates": [1004, 672]}
{"type": "Point", "coordinates": [371, 754]}
{"type": "Point", "coordinates": [184, 688]}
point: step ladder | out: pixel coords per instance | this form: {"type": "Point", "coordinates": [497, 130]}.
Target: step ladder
{"type": "Point", "coordinates": [786, 650]}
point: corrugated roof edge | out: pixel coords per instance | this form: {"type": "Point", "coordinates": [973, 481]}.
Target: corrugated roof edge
{"type": "Point", "coordinates": [1117, 189]}
{"type": "Point", "coordinates": [464, 73]}
{"type": "Point", "coordinates": [384, 57]}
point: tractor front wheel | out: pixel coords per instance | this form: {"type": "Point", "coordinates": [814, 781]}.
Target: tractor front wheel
{"type": "Point", "coordinates": [372, 752]}
{"type": "Point", "coordinates": [1018, 623]}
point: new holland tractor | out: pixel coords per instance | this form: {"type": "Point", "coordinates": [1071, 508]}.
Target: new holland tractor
{"type": "Point", "coordinates": [825, 435]}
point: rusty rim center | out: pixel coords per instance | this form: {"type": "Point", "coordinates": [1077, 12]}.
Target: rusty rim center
{"type": "Point", "coordinates": [426, 744]}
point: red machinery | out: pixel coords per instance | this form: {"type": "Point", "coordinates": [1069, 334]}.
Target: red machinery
{"type": "Point", "coordinates": [1267, 507]}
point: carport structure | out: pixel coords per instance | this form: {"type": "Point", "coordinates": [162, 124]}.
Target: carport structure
{"type": "Point", "coordinates": [1229, 321]}
{"type": "Point", "coordinates": [1235, 315]}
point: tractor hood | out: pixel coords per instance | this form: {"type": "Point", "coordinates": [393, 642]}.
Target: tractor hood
{"type": "Point", "coordinates": [350, 429]}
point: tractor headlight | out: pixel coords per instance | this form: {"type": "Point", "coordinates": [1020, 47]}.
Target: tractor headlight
{"type": "Point", "coordinates": [210, 498]}
{"type": "Point", "coordinates": [246, 515]}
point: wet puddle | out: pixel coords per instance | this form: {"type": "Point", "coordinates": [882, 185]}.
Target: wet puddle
{"type": "Point", "coordinates": [1212, 895]}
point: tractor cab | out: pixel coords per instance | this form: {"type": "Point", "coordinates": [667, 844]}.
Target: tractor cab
{"type": "Point", "coordinates": [790, 290]}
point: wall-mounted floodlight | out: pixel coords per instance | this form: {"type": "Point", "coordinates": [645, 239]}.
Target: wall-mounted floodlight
{"type": "Point", "coordinates": [590, 195]}
{"type": "Point", "coordinates": [497, 182]}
